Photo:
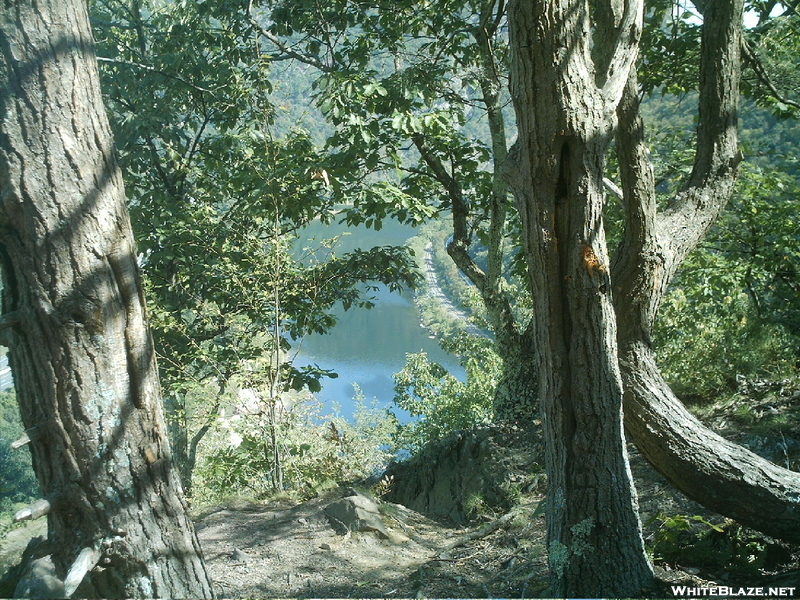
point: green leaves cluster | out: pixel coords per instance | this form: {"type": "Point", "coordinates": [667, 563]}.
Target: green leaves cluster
{"type": "Point", "coordinates": [724, 548]}
{"type": "Point", "coordinates": [775, 42]}
{"type": "Point", "coordinates": [216, 200]}
{"type": "Point", "coordinates": [440, 402]}
{"type": "Point", "coordinates": [735, 308]}
{"type": "Point", "coordinates": [760, 236]}
{"type": "Point", "coordinates": [316, 449]}
{"type": "Point", "coordinates": [18, 483]}
{"type": "Point", "coordinates": [670, 49]}
{"type": "Point", "coordinates": [389, 75]}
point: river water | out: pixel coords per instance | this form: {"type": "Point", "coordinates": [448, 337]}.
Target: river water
{"type": "Point", "coordinates": [368, 346]}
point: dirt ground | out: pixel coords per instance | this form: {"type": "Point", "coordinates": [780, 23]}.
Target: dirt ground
{"type": "Point", "coordinates": [282, 551]}
{"type": "Point", "coordinates": [287, 550]}
{"type": "Point", "coordinates": [294, 552]}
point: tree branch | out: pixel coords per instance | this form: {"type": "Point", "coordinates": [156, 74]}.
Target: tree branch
{"type": "Point", "coordinates": [612, 188]}
{"type": "Point", "coordinates": [636, 292]}
{"type": "Point", "coordinates": [192, 150]}
{"type": "Point", "coordinates": [498, 201]}
{"type": "Point", "coordinates": [149, 69]}
{"type": "Point", "coordinates": [458, 247]}
{"type": "Point", "coordinates": [717, 157]}
{"type": "Point", "coordinates": [761, 74]}
{"type": "Point", "coordinates": [283, 46]}
{"type": "Point", "coordinates": [85, 562]}
{"type": "Point", "coordinates": [200, 434]}
{"type": "Point", "coordinates": [624, 55]}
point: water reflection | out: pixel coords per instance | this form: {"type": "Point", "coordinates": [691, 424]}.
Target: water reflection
{"type": "Point", "coordinates": [368, 346]}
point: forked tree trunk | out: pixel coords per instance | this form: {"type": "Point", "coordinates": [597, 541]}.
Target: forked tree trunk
{"type": "Point", "coordinates": [516, 395]}
{"type": "Point", "coordinates": [722, 476]}
{"type": "Point", "coordinates": [565, 122]}
{"type": "Point", "coordinates": [81, 350]}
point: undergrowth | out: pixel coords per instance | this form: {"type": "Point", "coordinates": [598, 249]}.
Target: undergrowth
{"type": "Point", "coordinates": [726, 550]}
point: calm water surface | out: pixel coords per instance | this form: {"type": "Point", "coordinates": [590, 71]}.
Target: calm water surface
{"type": "Point", "coordinates": [368, 346]}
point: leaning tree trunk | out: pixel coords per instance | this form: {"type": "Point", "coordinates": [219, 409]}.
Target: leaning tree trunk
{"type": "Point", "coordinates": [76, 324]}
{"type": "Point", "coordinates": [721, 475]}
{"type": "Point", "coordinates": [565, 121]}
{"type": "Point", "coordinates": [516, 394]}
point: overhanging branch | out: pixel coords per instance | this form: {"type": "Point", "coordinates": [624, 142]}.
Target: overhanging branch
{"type": "Point", "coordinates": [287, 50]}
{"type": "Point", "coordinates": [458, 247]}
{"type": "Point", "coordinates": [761, 74]}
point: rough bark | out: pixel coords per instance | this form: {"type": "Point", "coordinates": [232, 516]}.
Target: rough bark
{"type": "Point", "coordinates": [565, 123]}
{"type": "Point", "coordinates": [184, 449]}
{"type": "Point", "coordinates": [516, 397]}
{"type": "Point", "coordinates": [720, 475]}
{"type": "Point", "coordinates": [81, 351]}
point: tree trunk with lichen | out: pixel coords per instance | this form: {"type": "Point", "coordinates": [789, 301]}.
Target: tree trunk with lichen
{"type": "Point", "coordinates": [565, 118]}
{"type": "Point", "coordinates": [76, 324]}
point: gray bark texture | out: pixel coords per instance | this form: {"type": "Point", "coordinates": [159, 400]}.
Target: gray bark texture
{"type": "Point", "coordinates": [565, 118]}
{"type": "Point", "coordinates": [81, 350]}
{"type": "Point", "coordinates": [721, 475]}
{"type": "Point", "coordinates": [516, 398]}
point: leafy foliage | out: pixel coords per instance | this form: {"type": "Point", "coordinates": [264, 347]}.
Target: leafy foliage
{"type": "Point", "coordinates": [759, 235]}
{"type": "Point", "coordinates": [670, 49]}
{"type": "Point", "coordinates": [216, 200]}
{"type": "Point", "coordinates": [725, 548]}
{"type": "Point", "coordinates": [440, 402]}
{"type": "Point", "coordinates": [316, 449]}
{"type": "Point", "coordinates": [734, 308]}
{"type": "Point", "coordinates": [416, 93]}
{"type": "Point", "coordinates": [716, 326]}
{"type": "Point", "coordinates": [18, 483]}
{"type": "Point", "coordinates": [773, 44]}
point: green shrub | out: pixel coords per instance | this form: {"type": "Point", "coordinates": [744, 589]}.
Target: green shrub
{"type": "Point", "coordinates": [18, 485]}
{"type": "Point", "coordinates": [315, 450]}
{"type": "Point", "coordinates": [694, 541]}
{"type": "Point", "coordinates": [708, 335]}
{"type": "Point", "coordinates": [441, 403]}
{"type": "Point", "coordinates": [734, 309]}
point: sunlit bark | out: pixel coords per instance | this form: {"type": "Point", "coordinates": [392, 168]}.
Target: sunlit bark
{"type": "Point", "coordinates": [81, 351]}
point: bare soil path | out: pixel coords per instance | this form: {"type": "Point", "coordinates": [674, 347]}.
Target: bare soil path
{"type": "Point", "coordinates": [294, 552]}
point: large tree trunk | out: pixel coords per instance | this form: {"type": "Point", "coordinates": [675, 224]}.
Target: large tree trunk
{"type": "Point", "coordinates": [565, 123]}
{"type": "Point", "coordinates": [717, 473]}
{"type": "Point", "coordinates": [81, 350]}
